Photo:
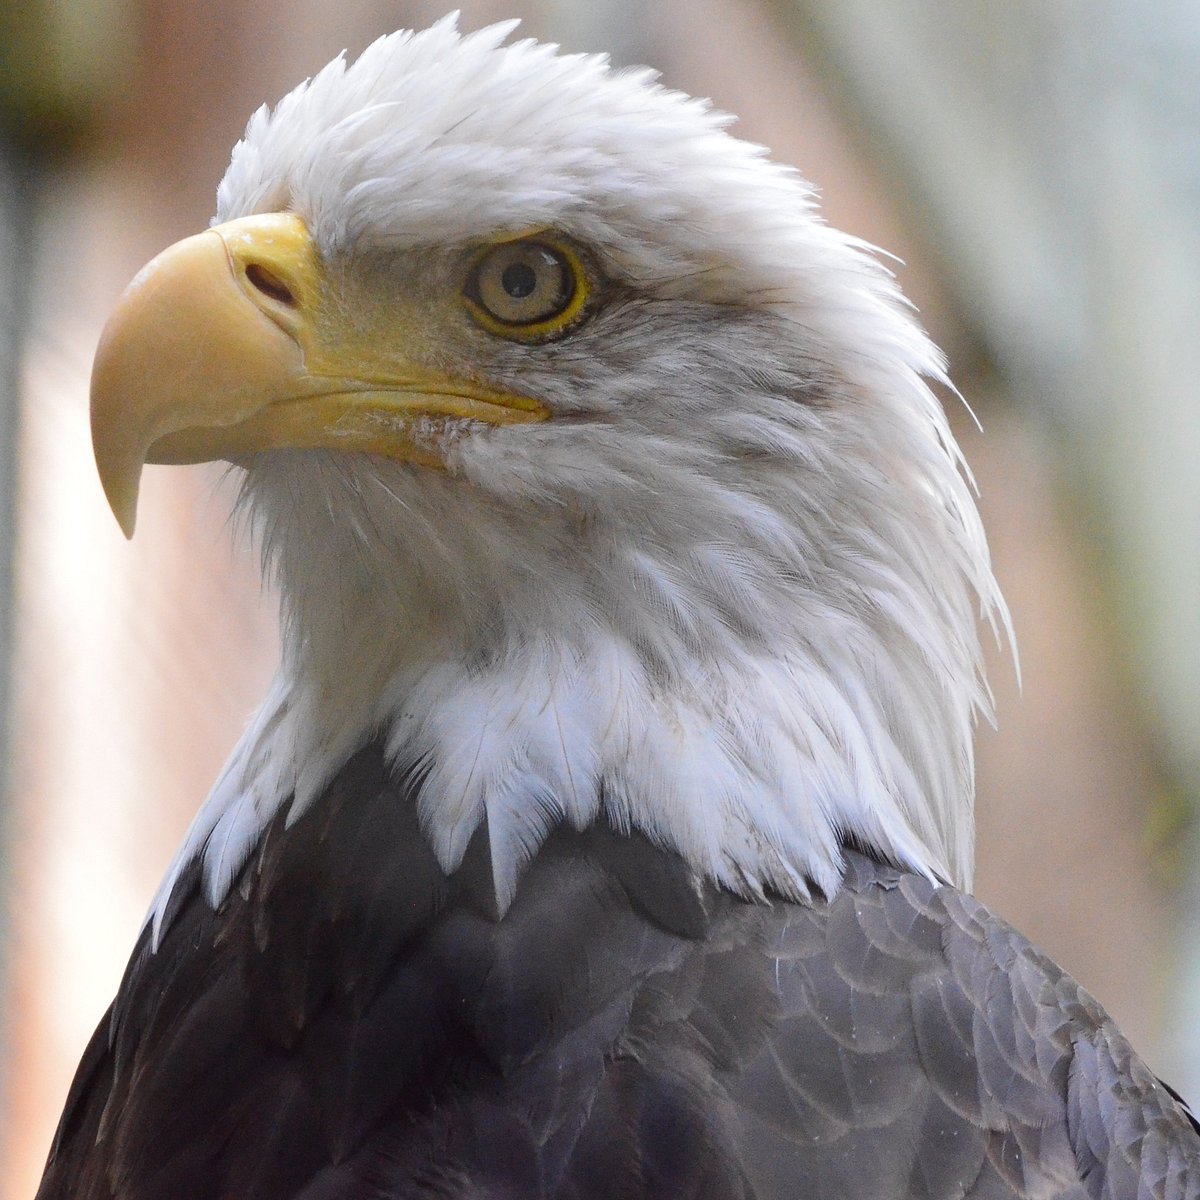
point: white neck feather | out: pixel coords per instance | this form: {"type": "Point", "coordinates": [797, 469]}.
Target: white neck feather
{"type": "Point", "coordinates": [747, 691]}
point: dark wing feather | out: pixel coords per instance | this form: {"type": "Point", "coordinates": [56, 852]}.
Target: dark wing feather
{"type": "Point", "coordinates": [927, 1050]}
{"type": "Point", "coordinates": [352, 1023]}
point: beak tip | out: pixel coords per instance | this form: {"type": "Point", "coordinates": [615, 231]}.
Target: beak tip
{"type": "Point", "coordinates": [122, 497]}
{"type": "Point", "coordinates": [125, 510]}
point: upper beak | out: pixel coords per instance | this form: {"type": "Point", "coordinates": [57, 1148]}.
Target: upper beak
{"type": "Point", "coordinates": [227, 344]}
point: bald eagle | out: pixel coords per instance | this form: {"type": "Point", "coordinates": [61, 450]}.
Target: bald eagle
{"type": "Point", "coordinates": [607, 829]}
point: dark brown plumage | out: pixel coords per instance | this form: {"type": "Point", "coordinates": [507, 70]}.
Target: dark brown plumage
{"type": "Point", "coordinates": [353, 1023]}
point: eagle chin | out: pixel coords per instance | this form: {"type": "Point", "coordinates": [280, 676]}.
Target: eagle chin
{"type": "Point", "coordinates": [597, 834]}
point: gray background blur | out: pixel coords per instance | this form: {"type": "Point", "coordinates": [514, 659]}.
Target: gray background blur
{"type": "Point", "coordinates": [1037, 168]}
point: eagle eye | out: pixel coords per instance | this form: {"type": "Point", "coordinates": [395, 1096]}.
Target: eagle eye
{"type": "Point", "coordinates": [527, 290]}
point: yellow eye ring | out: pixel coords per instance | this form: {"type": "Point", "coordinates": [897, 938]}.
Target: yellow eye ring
{"type": "Point", "coordinates": [527, 289]}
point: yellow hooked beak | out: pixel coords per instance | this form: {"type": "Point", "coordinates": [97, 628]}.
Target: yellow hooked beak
{"type": "Point", "coordinates": [235, 341]}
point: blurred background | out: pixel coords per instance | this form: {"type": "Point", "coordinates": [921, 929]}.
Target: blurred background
{"type": "Point", "coordinates": [1037, 169]}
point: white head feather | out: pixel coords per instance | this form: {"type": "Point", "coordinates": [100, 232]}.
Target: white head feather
{"type": "Point", "coordinates": [727, 595]}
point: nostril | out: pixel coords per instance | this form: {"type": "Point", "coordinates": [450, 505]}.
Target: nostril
{"type": "Point", "coordinates": [267, 282]}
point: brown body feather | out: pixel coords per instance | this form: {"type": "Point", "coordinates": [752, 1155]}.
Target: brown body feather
{"type": "Point", "coordinates": [354, 1023]}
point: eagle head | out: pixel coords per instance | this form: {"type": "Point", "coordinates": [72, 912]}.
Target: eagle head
{"type": "Point", "coordinates": [598, 476]}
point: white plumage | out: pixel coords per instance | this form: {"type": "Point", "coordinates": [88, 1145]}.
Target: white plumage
{"type": "Point", "coordinates": [728, 593]}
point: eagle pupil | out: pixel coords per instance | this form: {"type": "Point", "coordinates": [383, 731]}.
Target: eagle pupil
{"type": "Point", "coordinates": [519, 280]}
